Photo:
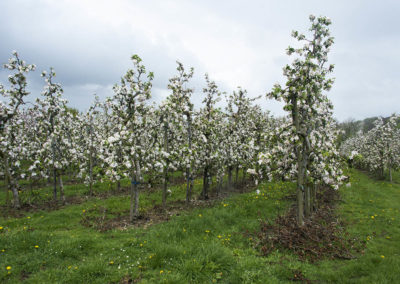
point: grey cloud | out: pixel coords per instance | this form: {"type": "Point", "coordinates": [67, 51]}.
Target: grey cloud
{"type": "Point", "coordinates": [236, 42]}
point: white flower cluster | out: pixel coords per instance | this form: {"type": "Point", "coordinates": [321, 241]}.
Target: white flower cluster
{"type": "Point", "coordinates": [378, 149]}
{"type": "Point", "coordinates": [127, 137]}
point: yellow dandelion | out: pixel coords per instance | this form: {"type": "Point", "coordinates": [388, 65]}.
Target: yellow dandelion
{"type": "Point", "coordinates": [83, 211]}
{"type": "Point", "coordinates": [28, 217]}
{"type": "Point", "coordinates": [200, 215]}
{"type": "Point", "coordinates": [372, 217]}
{"type": "Point", "coordinates": [69, 267]}
{"type": "Point", "coordinates": [8, 267]}
{"type": "Point", "coordinates": [111, 262]}
{"type": "Point", "coordinates": [36, 246]}
{"type": "Point", "coordinates": [161, 271]}
{"type": "Point", "coordinates": [219, 236]}
{"type": "Point", "coordinates": [382, 256]}
{"type": "Point", "coordinates": [1, 228]}
{"type": "Point", "coordinates": [184, 230]}
{"type": "Point", "coordinates": [141, 245]}
{"type": "Point", "coordinates": [207, 231]}
{"type": "Point", "coordinates": [226, 205]}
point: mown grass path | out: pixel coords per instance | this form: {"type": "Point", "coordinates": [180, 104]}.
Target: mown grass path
{"type": "Point", "coordinates": [201, 245]}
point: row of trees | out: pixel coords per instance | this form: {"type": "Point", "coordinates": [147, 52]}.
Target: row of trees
{"type": "Point", "coordinates": [378, 149]}
{"type": "Point", "coordinates": [127, 137]}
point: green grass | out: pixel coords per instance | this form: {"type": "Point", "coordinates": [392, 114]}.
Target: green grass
{"type": "Point", "coordinates": [201, 245]}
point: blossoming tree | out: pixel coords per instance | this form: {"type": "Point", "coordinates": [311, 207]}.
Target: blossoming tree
{"type": "Point", "coordinates": [307, 79]}
{"type": "Point", "coordinates": [10, 121]}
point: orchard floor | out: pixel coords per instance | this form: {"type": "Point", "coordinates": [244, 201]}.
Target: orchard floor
{"type": "Point", "coordinates": [201, 244]}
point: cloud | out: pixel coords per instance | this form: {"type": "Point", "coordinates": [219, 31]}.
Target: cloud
{"type": "Point", "coordinates": [89, 44]}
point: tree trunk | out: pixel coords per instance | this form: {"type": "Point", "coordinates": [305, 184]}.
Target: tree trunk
{"type": "Point", "coordinates": [230, 177]}
{"type": "Point", "coordinates": [7, 181]}
{"type": "Point", "coordinates": [30, 192]}
{"type": "Point", "coordinates": [390, 174]}
{"type": "Point", "coordinates": [134, 204]}
{"type": "Point", "coordinates": [313, 198]}
{"type": "Point", "coordinates": [300, 169]}
{"type": "Point", "coordinates": [189, 177]}
{"type": "Point", "coordinates": [166, 149]}
{"type": "Point", "coordinates": [136, 209]}
{"type": "Point", "coordinates": [137, 180]}
{"type": "Point", "coordinates": [53, 148]}
{"type": "Point", "coordinates": [62, 196]}
{"type": "Point", "coordinates": [300, 192]}
{"type": "Point", "coordinates": [134, 193]}
{"type": "Point", "coordinates": [188, 187]}
{"type": "Point", "coordinates": [118, 186]}
{"type": "Point", "coordinates": [307, 194]}
{"type": "Point", "coordinates": [6, 188]}
{"type": "Point", "coordinates": [90, 173]}
{"type": "Point", "coordinates": [165, 187]}
{"type": "Point", "coordinates": [236, 175]}
{"type": "Point", "coordinates": [91, 158]}
{"type": "Point", "coordinates": [220, 178]}
{"type": "Point", "coordinates": [11, 185]}
{"type": "Point", "coordinates": [14, 190]}
{"type": "Point", "coordinates": [204, 193]}
{"type": "Point", "coordinates": [54, 184]}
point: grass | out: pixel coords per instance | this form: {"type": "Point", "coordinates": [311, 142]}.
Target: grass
{"type": "Point", "coordinates": [201, 245]}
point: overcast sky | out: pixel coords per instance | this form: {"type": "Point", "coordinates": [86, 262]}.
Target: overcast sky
{"type": "Point", "coordinates": [239, 43]}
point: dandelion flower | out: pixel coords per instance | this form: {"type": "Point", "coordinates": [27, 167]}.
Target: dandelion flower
{"type": "Point", "coordinates": [36, 246]}
{"type": "Point", "coordinates": [382, 256]}
{"type": "Point", "coordinates": [8, 267]}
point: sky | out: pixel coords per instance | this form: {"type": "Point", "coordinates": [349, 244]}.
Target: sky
{"type": "Point", "coordinates": [238, 43]}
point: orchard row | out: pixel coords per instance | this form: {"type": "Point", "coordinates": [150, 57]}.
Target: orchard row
{"type": "Point", "coordinates": [377, 150]}
{"type": "Point", "coordinates": [126, 136]}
